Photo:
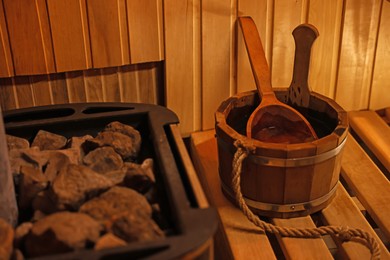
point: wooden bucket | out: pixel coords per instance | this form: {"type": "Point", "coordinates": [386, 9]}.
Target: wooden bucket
{"type": "Point", "coordinates": [283, 180]}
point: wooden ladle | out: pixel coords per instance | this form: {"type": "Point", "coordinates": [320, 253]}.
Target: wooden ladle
{"type": "Point", "coordinates": [272, 121]}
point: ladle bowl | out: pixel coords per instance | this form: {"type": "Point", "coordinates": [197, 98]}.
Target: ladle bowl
{"type": "Point", "coordinates": [272, 121]}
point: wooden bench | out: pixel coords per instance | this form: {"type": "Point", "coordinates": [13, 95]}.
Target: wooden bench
{"type": "Point", "coordinates": [362, 201]}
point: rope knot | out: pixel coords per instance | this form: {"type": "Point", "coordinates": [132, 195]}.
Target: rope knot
{"type": "Point", "coordinates": [345, 234]}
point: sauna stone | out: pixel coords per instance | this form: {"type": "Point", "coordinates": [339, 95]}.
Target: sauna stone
{"type": "Point", "coordinates": [55, 163]}
{"type": "Point", "coordinates": [31, 182]}
{"type": "Point", "coordinates": [76, 143]}
{"type": "Point", "coordinates": [14, 142]}
{"type": "Point", "coordinates": [134, 226]}
{"type": "Point", "coordinates": [128, 130]}
{"type": "Point", "coordinates": [6, 239]}
{"type": "Point", "coordinates": [103, 159]}
{"type": "Point", "coordinates": [43, 204]}
{"type": "Point", "coordinates": [116, 201]}
{"type": "Point", "coordinates": [109, 240]}
{"type": "Point", "coordinates": [21, 232]}
{"type": "Point", "coordinates": [75, 184]}
{"type": "Point", "coordinates": [140, 177]}
{"type": "Point", "coordinates": [62, 232]}
{"type": "Point", "coordinates": [49, 141]}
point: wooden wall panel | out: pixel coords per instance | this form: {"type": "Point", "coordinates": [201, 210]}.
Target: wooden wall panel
{"type": "Point", "coordinates": [29, 35]}
{"type": "Point", "coordinates": [286, 16]}
{"type": "Point", "coordinates": [326, 16]}
{"type": "Point", "coordinates": [140, 83]}
{"type": "Point", "coordinates": [182, 62]}
{"type": "Point", "coordinates": [109, 42]}
{"type": "Point", "coordinates": [145, 24]}
{"type": "Point", "coordinates": [380, 97]}
{"type": "Point", "coordinates": [70, 34]}
{"type": "Point", "coordinates": [357, 53]}
{"type": "Point", "coordinates": [6, 64]}
{"type": "Point", "coordinates": [218, 77]}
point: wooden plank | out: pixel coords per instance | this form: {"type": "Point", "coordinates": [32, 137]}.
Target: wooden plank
{"type": "Point", "coordinates": [6, 64]}
{"type": "Point", "coordinates": [29, 34]}
{"type": "Point", "coordinates": [374, 132]}
{"type": "Point", "coordinates": [76, 87]}
{"type": "Point", "coordinates": [301, 248]}
{"type": "Point", "coordinates": [23, 91]}
{"type": "Point", "coordinates": [218, 64]}
{"type": "Point", "coordinates": [237, 237]}
{"type": "Point", "coordinates": [286, 16]}
{"type": "Point", "coordinates": [58, 88]}
{"type": "Point", "coordinates": [145, 22]}
{"type": "Point", "coordinates": [107, 34]}
{"type": "Point", "coordinates": [93, 85]}
{"type": "Point", "coordinates": [128, 83]}
{"type": "Point", "coordinates": [8, 98]}
{"type": "Point", "coordinates": [110, 84]}
{"type": "Point", "coordinates": [70, 34]}
{"type": "Point", "coordinates": [379, 97]}
{"type": "Point", "coordinates": [326, 16]}
{"type": "Point", "coordinates": [41, 90]}
{"type": "Point", "coordinates": [147, 83]}
{"type": "Point", "coordinates": [258, 11]}
{"type": "Point", "coordinates": [343, 212]}
{"type": "Point", "coordinates": [182, 62]}
{"type": "Point", "coordinates": [361, 21]}
{"type": "Point", "coordinates": [369, 184]}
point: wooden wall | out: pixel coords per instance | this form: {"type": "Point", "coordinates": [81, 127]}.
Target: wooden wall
{"type": "Point", "coordinates": [350, 59]}
{"type": "Point", "coordinates": [194, 48]}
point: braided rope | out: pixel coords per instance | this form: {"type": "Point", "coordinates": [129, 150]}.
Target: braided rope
{"type": "Point", "coordinates": [343, 233]}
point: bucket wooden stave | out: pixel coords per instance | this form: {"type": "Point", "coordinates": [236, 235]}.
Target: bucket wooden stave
{"type": "Point", "coordinates": [283, 180]}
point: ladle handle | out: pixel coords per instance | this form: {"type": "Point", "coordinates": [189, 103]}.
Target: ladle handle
{"type": "Point", "coordinates": [256, 55]}
{"type": "Point", "coordinates": [299, 91]}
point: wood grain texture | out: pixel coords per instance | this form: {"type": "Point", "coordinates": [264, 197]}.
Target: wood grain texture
{"type": "Point", "coordinates": [145, 23]}
{"type": "Point", "coordinates": [107, 33]}
{"type": "Point", "coordinates": [24, 92]}
{"type": "Point", "coordinates": [326, 16]}
{"type": "Point", "coordinates": [29, 35]}
{"type": "Point", "coordinates": [379, 97]}
{"type": "Point", "coordinates": [218, 81]}
{"type": "Point", "coordinates": [182, 62]}
{"type": "Point", "coordinates": [357, 53]}
{"type": "Point", "coordinates": [8, 98]}
{"type": "Point", "coordinates": [358, 170]}
{"type": "Point", "coordinates": [70, 34]}
{"type": "Point", "coordinates": [41, 90]}
{"type": "Point", "coordinates": [6, 64]}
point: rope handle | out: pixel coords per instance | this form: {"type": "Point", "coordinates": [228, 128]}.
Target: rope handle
{"type": "Point", "coordinates": [343, 233]}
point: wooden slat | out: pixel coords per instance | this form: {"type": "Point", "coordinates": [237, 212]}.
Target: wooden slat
{"type": "Point", "coordinates": [76, 87]}
{"type": "Point", "coordinates": [107, 34]}
{"type": "Point", "coordinates": [287, 16]}
{"type": "Point", "coordinates": [93, 86]}
{"type": "Point", "coordinates": [29, 34]}
{"type": "Point", "coordinates": [128, 84]}
{"type": "Point", "coordinates": [374, 132]}
{"type": "Point", "coordinates": [357, 53]}
{"type": "Point", "coordinates": [301, 248]}
{"type": "Point", "coordinates": [379, 97]}
{"type": "Point", "coordinates": [236, 232]}
{"type": "Point", "coordinates": [343, 212]}
{"type": "Point", "coordinates": [8, 99]}
{"type": "Point", "coordinates": [41, 90]}
{"type": "Point", "coordinates": [6, 64]}
{"type": "Point", "coordinates": [147, 83]}
{"type": "Point", "coordinates": [58, 88]}
{"type": "Point", "coordinates": [23, 92]}
{"type": "Point", "coordinates": [145, 21]}
{"type": "Point", "coordinates": [182, 61]}
{"type": "Point", "coordinates": [218, 83]}
{"type": "Point", "coordinates": [326, 16]}
{"type": "Point", "coordinates": [110, 84]}
{"type": "Point", "coordinates": [70, 34]}
{"type": "Point", "coordinates": [369, 184]}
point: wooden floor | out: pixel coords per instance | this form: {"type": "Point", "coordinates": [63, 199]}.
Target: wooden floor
{"type": "Point", "coordinates": [362, 201]}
